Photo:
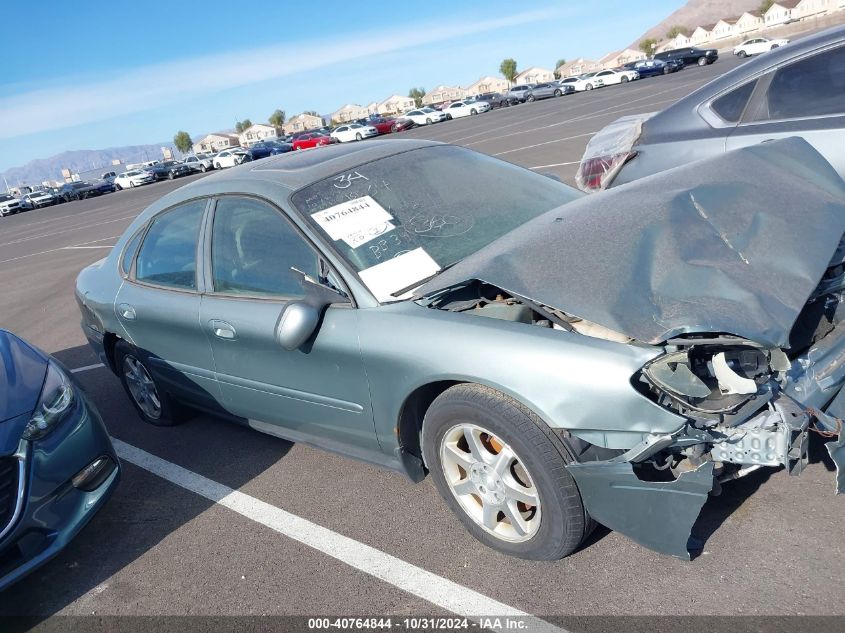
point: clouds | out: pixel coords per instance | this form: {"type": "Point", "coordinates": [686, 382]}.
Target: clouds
{"type": "Point", "coordinates": [153, 86]}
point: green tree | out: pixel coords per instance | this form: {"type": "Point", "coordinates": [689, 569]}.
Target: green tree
{"type": "Point", "coordinates": [311, 112]}
{"type": "Point", "coordinates": [559, 63]}
{"type": "Point", "coordinates": [677, 30]}
{"type": "Point", "coordinates": [277, 119]}
{"type": "Point", "coordinates": [765, 5]}
{"type": "Point", "coordinates": [648, 45]}
{"type": "Point", "coordinates": [240, 126]}
{"type": "Point", "coordinates": [182, 141]}
{"type": "Point", "coordinates": [508, 69]}
{"type": "Point", "coordinates": [417, 94]}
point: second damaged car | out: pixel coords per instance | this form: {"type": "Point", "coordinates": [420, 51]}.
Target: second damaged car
{"type": "Point", "coordinates": [551, 359]}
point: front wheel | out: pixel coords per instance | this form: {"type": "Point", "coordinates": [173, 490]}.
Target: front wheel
{"type": "Point", "coordinates": [665, 70]}
{"type": "Point", "coordinates": [557, 93]}
{"type": "Point", "coordinates": [624, 79]}
{"type": "Point", "coordinates": [118, 188]}
{"type": "Point", "coordinates": [170, 176]}
{"type": "Point", "coordinates": [428, 121]}
{"type": "Point", "coordinates": [702, 61]}
{"type": "Point", "coordinates": [358, 136]}
{"type": "Point", "coordinates": [501, 470]}
{"type": "Point", "coordinates": [473, 112]}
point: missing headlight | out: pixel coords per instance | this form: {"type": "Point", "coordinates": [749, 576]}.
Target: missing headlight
{"type": "Point", "coordinates": [712, 379]}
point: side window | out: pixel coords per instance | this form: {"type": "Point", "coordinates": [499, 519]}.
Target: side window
{"type": "Point", "coordinates": [810, 87]}
{"type": "Point", "coordinates": [129, 252]}
{"type": "Point", "coordinates": [253, 249]}
{"type": "Point", "coordinates": [731, 105]}
{"type": "Point", "coordinates": [168, 256]}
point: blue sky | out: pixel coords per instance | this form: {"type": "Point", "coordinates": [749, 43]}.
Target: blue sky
{"type": "Point", "coordinates": [92, 75]}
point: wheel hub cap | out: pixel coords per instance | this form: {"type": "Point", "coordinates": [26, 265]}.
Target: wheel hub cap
{"type": "Point", "coordinates": [490, 482]}
{"type": "Point", "coordinates": [141, 387]}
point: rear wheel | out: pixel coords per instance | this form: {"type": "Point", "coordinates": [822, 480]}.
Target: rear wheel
{"type": "Point", "coordinates": [501, 470]}
{"type": "Point", "coordinates": [448, 117]}
{"type": "Point", "coordinates": [529, 98]}
{"type": "Point", "coordinates": [774, 46]}
{"type": "Point", "coordinates": [153, 404]}
{"type": "Point", "coordinates": [742, 54]}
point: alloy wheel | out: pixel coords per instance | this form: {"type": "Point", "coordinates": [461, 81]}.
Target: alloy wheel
{"type": "Point", "coordinates": [490, 482]}
{"type": "Point", "coordinates": [141, 387]}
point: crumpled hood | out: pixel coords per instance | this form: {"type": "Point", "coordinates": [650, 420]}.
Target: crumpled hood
{"type": "Point", "coordinates": [732, 244]}
{"type": "Point", "coordinates": [22, 370]}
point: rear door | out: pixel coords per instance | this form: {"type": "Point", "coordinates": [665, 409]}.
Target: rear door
{"type": "Point", "coordinates": [318, 392]}
{"type": "Point", "coordinates": [158, 305]}
{"type": "Point", "coordinates": [804, 98]}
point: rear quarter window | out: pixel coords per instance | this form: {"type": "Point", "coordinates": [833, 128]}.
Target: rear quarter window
{"type": "Point", "coordinates": [731, 105]}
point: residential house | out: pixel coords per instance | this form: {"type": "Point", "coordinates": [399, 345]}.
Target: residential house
{"type": "Point", "coordinates": [349, 112]}
{"type": "Point", "coordinates": [217, 142]}
{"type": "Point", "coordinates": [679, 41]}
{"type": "Point", "coordinates": [372, 108]}
{"type": "Point", "coordinates": [748, 22]}
{"type": "Point", "coordinates": [780, 12]}
{"type": "Point", "coordinates": [443, 93]}
{"type": "Point", "coordinates": [487, 83]}
{"type": "Point", "coordinates": [301, 123]}
{"type": "Point", "coordinates": [701, 34]}
{"type": "Point", "coordinates": [534, 75]}
{"type": "Point", "coordinates": [618, 58]}
{"type": "Point", "coordinates": [396, 104]}
{"type": "Point", "coordinates": [257, 132]}
{"type": "Point", "coordinates": [577, 67]}
{"type": "Point", "coordinates": [815, 8]}
{"type": "Point", "coordinates": [726, 27]}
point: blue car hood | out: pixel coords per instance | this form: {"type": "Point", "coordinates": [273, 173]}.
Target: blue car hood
{"type": "Point", "coordinates": [733, 244]}
{"type": "Point", "coordinates": [22, 371]}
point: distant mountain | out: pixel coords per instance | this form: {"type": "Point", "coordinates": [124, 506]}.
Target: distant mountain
{"type": "Point", "coordinates": [698, 13]}
{"type": "Point", "coordinates": [82, 161]}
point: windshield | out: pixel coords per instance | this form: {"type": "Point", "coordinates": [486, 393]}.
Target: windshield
{"type": "Point", "coordinates": [400, 219]}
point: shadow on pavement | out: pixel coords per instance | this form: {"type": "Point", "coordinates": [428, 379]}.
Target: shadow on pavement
{"type": "Point", "coordinates": [144, 509]}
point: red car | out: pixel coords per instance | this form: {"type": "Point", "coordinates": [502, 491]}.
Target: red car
{"type": "Point", "coordinates": [384, 126]}
{"type": "Point", "coordinates": [311, 139]}
{"type": "Point", "coordinates": [402, 124]}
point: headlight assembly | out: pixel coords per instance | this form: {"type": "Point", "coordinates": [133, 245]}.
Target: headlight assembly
{"type": "Point", "coordinates": [54, 405]}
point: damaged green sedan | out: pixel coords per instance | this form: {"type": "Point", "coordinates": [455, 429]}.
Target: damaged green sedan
{"type": "Point", "coordinates": [552, 360]}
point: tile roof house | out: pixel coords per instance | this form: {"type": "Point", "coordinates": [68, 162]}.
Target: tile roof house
{"type": "Point", "coordinates": [216, 142]}
{"type": "Point", "coordinates": [396, 104]}
{"type": "Point", "coordinates": [487, 83]}
{"type": "Point", "coordinates": [534, 75]}
{"type": "Point", "coordinates": [577, 67]}
{"type": "Point", "coordinates": [780, 12]}
{"type": "Point", "coordinates": [257, 132]}
{"type": "Point", "coordinates": [748, 22]}
{"type": "Point", "coordinates": [349, 112]}
{"type": "Point", "coordinates": [443, 93]}
{"type": "Point", "coordinates": [301, 123]}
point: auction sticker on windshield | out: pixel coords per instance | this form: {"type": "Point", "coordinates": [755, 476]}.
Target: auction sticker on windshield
{"type": "Point", "coordinates": [354, 221]}
{"type": "Point", "coordinates": [399, 272]}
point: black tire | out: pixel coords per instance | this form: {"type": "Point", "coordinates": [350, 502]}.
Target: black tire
{"type": "Point", "coordinates": [774, 46]}
{"type": "Point", "coordinates": [203, 168]}
{"type": "Point", "coordinates": [588, 87]}
{"type": "Point", "coordinates": [529, 98]}
{"type": "Point", "coordinates": [448, 117]}
{"type": "Point", "coordinates": [702, 61]}
{"type": "Point", "coordinates": [558, 93]}
{"type": "Point", "coordinates": [564, 523]}
{"type": "Point", "coordinates": [473, 112]}
{"type": "Point", "coordinates": [171, 412]}
{"type": "Point", "coordinates": [428, 121]}
{"type": "Point", "coordinates": [118, 188]}
{"type": "Point", "coordinates": [742, 54]}
{"type": "Point", "coordinates": [624, 79]}
{"type": "Point", "coordinates": [132, 184]}
{"type": "Point", "coordinates": [170, 175]}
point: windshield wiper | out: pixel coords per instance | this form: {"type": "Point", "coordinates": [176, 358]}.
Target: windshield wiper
{"type": "Point", "coordinates": [419, 283]}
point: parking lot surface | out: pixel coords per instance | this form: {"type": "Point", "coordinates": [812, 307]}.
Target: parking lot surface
{"type": "Point", "coordinates": [214, 519]}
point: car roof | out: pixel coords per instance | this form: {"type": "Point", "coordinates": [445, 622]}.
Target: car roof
{"type": "Point", "coordinates": [297, 169]}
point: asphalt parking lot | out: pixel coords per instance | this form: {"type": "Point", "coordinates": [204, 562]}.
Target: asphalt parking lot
{"type": "Point", "coordinates": [368, 542]}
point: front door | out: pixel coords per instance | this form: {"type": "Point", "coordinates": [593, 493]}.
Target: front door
{"type": "Point", "coordinates": [318, 392]}
{"type": "Point", "coordinates": [159, 305]}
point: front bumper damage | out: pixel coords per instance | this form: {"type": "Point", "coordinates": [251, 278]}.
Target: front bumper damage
{"type": "Point", "coordinates": [660, 515]}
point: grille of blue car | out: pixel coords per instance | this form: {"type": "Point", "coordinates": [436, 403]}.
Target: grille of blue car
{"type": "Point", "coordinates": [8, 489]}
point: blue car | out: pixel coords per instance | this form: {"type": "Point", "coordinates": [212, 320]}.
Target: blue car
{"type": "Point", "coordinates": [652, 67]}
{"type": "Point", "coordinates": [263, 149]}
{"type": "Point", "coordinates": [57, 463]}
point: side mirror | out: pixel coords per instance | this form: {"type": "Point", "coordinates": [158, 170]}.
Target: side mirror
{"type": "Point", "coordinates": [297, 323]}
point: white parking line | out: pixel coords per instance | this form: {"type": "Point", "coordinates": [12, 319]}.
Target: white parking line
{"type": "Point", "coordinates": [417, 581]}
{"type": "Point", "coordinates": [73, 248]}
{"type": "Point", "coordinates": [572, 162]}
{"type": "Point", "coordinates": [86, 368]}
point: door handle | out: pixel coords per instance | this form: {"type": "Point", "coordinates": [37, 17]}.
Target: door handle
{"type": "Point", "coordinates": [126, 311]}
{"type": "Point", "coordinates": [221, 329]}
